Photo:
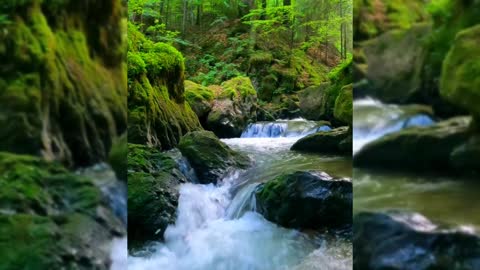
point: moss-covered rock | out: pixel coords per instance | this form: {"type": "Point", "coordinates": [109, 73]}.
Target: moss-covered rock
{"type": "Point", "coordinates": [460, 80]}
{"type": "Point", "coordinates": [62, 94]}
{"type": "Point", "coordinates": [200, 99]}
{"type": "Point", "coordinates": [449, 18]}
{"type": "Point", "coordinates": [306, 200]}
{"type": "Point", "coordinates": [153, 180]}
{"type": "Point", "coordinates": [234, 108]}
{"type": "Point", "coordinates": [318, 102]}
{"type": "Point", "coordinates": [210, 158]}
{"type": "Point", "coordinates": [390, 240]}
{"type": "Point", "coordinates": [157, 112]}
{"type": "Point", "coordinates": [344, 105]}
{"type": "Point", "coordinates": [416, 148]}
{"type": "Point", "coordinates": [52, 218]}
{"type": "Point", "coordinates": [336, 141]}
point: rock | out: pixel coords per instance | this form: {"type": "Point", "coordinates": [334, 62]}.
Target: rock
{"type": "Point", "coordinates": [281, 107]}
{"type": "Point", "coordinates": [200, 99]}
{"type": "Point", "coordinates": [344, 105]}
{"type": "Point", "coordinates": [209, 157]}
{"type": "Point", "coordinates": [416, 148]}
{"type": "Point", "coordinates": [460, 79]}
{"type": "Point", "coordinates": [157, 112]}
{"type": "Point", "coordinates": [395, 62]}
{"type": "Point", "coordinates": [313, 102]}
{"type": "Point", "coordinates": [51, 218]}
{"type": "Point", "coordinates": [234, 108]}
{"type": "Point", "coordinates": [410, 241]}
{"type": "Point", "coordinates": [306, 200]}
{"type": "Point", "coordinates": [336, 141]}
{"type": "Point", "coordinates": [438, 45]}
{"type": "Point", "coordinates": [153, 180]}
{"type": "Point", "coordinates": [318, 102]}
{"type": "Point", "coordinates": [466, 156]}
{"type": "Point", "coordinates": [61, 95]}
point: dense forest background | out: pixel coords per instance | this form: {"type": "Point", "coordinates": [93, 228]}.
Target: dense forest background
{"type": "Point", "coordinates": [283, 46]}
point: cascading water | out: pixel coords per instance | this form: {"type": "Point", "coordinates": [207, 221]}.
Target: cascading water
{"type": "Point", "coordinates": [217, 228]}
{"type": "Point", "coordinates": [284, 128]}
{"type": "Point", "coordinates": [373, 119]}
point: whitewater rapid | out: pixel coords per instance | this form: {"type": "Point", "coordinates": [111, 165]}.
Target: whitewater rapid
{"type": "Point", "coordinates": [217, 227]}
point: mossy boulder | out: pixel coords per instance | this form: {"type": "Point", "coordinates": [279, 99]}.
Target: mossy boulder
{"type": "Point", "coordinates": [234, 108]}
{"type": "Point", "coordinates": [337, 141]}
{"type": "Point", "coordinates": [404, 240]}
{"type": "Point", "coordinates": [209, 157]}
{"type": "Point", "coordinates": [318, 102]}
{"type": "Point", "coordinates": [158, 114]}
{"type": "Point", "coordinates": [306, 200]}
{"type": "Point", "coordinates": [63, 96]}
{"type": "Point", "coordinates": [449, 19]}
{"type": "Point", "coordinates": [52, 218]}
{"type": "Point", "coordinates": [344, 105]}
{"type": "Point", "coordinates": [153, 185]}
{"type": "Point", "coordinates": [395, 63]}
{"type": "Point", "coordinates": [200, 99]}
{"type": "Point", "coordinates": [460, 80]}
{"type": "Point", "coordinates": [417, 148]}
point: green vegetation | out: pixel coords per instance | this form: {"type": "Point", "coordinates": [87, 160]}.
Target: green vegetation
{"type": "Point", "coordinates": [281, 46]}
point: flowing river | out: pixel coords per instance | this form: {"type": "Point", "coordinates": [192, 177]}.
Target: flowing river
{"type": "Point", "coordinates": [218, 229]}
{"type": "Point", "coordinates": [443, 199]}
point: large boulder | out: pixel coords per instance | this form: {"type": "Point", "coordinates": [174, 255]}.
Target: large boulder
{"type": "Point", "coordinates": [234, 108]}
{"type": "Point", "coordinates": [335, 141]}
{"type": "Point", "coordinates": [394, 64]}
{"type": "Point", "coordinates": [200, 99]}
{"type": "Point", "coordinates": [62, 93]}
{"type": "Point", "coordinates": [158, 114]}
{"type": "Point", "coordinates": [417, 148]}
{"type": "Point", "coordinates": [153, 186]}
{"type": "Point", "coordinates": [51, 218]}
{"type": "Point", "coordinates": [209, 157]}
{"type": "Point", "coordinates": [460, 79]}
{"type": "Point", "coordinates": [313, 102]}
{"type": "Point", "coordinates": [410, 241]}
{"type": "Point", "coordinates": [306, 200]}
{"type": "Point", "coordinates": [318, 102]}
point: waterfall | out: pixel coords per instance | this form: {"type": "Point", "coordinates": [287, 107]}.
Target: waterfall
{"type": "Point", "coordinates": [373, 119]}
{"type": "Point", "coordinates": [284, 128]}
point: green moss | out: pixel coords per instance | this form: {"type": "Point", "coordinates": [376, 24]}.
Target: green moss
{"type": "Point", "coordinates": [210, 157]}
{"type": "Point", "coordinates": [158, 113]}
{"type": "Point", "coordinates": [449, 19]}
{"type": "Point", "coordinates": [55, 77]}
{"type": "Point", "coordinates": [136, 65]}
{"type": "Point", "coordinates": [260, 58]}
{"type": "Point", "coordinates": [195, 92]}
{"type": "Point", "coordinates": [239, 87]}
{"type": "Point", "coordinates": [460, 81]}
{"type": "Point", "coordinates": [152, 192]}
{"type": "Point", "coordinates": [344, 105]}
